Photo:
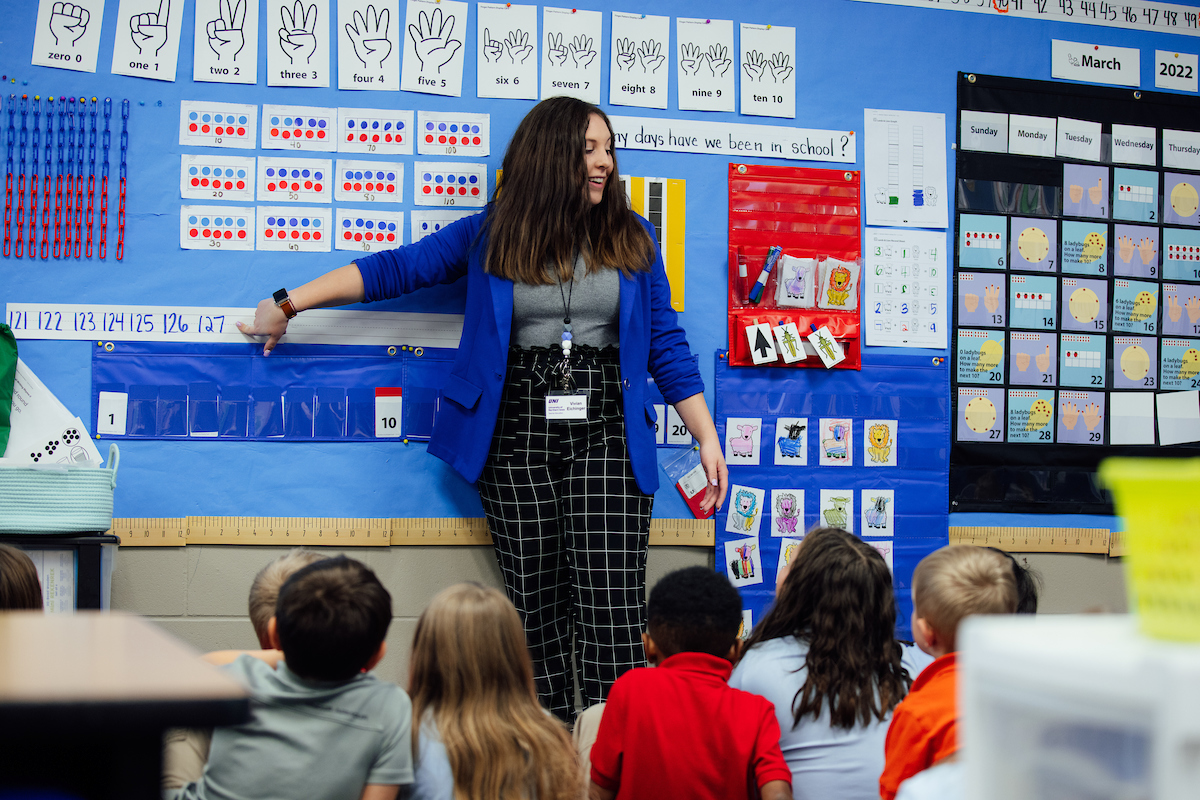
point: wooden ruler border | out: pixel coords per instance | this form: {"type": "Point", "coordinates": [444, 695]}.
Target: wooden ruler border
{"type": "Point", "coordinates": [351, 532]}
{"type": "Point", "coordinates": [1036, 540]}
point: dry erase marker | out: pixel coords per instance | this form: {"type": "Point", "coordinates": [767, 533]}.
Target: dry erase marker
{"type": "Point", "coordinates": [760, 284]}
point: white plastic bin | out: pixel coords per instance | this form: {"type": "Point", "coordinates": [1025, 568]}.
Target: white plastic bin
{"type": "Point", "coordinates": [1077, 708]}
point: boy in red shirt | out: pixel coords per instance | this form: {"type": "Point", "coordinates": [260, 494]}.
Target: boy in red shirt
{"type": "Point", "coordinates": [679, 730]}
{"type": "Point", "coordinates": [948, 585]}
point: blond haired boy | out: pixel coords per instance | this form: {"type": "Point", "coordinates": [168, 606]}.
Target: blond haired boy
{"type": "Point", "coordinates": [947, 586]}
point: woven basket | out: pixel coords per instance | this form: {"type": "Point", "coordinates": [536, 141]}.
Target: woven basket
{"type": "Point", "coordinates": [70, 499]}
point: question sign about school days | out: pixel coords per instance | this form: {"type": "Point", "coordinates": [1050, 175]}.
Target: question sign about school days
{"type": "Point", "coordinates": [762, 141]}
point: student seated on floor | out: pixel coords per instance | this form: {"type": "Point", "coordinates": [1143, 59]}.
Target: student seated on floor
{"type": "Point", "coordinates": [320, 725]}
{"type": "Point", "coordinates": [185, 750]}
{"type": "Point", "coordinates": [678, 729]}
{"type": "Point", "coordinates": [948, 585]}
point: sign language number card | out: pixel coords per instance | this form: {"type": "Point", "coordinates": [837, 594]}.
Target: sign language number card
{"type": "Point", "coordinates": [767, 70]}
{"type": "Point", "coordinates": [68, 34]}
{"type": "Point", "coordinates": [641, 48]}
{"type": "Point", "coordinates": [298, 42]}
{"type": "Point", "coordinates": [147, 43]}
{"type": "Point", "coordinates": [369, 44]}
{"type": "Point", "coordinates": [507, 58]}
{"type": "Point", "coordinates": [433, 48]}
{"type": "Point", "coordinates": [226, 42]}
{"type": "Point", "coordinates": [570, 58]}
{"type": "Point", "coordinates": [706, 73]}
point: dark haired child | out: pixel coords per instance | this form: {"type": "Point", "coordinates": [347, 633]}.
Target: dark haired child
{"type": "Point", "coordinates": [320, 726]}
{"type": "Point", "coordinates": [826, 657]}
{"type": "Point", "coordinates": [20, 589]}
{"type": "Point", "coordinates": [679, 730]}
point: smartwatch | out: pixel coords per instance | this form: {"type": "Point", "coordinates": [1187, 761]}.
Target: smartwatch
{"type": "Point", "coordinates": [284, 302]}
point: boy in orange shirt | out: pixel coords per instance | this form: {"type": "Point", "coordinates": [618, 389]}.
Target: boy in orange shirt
{"type": "Point", "coordinates": [948, 585]}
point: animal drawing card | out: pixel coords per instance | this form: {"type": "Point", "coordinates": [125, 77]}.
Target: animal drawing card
{"type": "Point", "coordinates": [747, 624]}
{"type": "Point", "coordinates": [787, 512]}
{"type": "Point", "coordinates": [837, 447]}
{"type": "Point", "coordinates": [879, 442]}
{"type": "Point", "coordinates": [787, 549]}
{"type": "Point", "coordinates": [791, 442]}
{"type": "Point", "coordinates": [743, 562]}
{"type": "Point", "coordinates": [745, 510]}
{"type": "Point", "coordinates": [887, 550]}
{"type": "Point", "coordinates": [742, 440]}
{"type": "Point", "coordinates": [878, 514]}
{"type": "Point", "coordinates": [433, 47]}
{"type": "Point", "coordinates": [837, 509]}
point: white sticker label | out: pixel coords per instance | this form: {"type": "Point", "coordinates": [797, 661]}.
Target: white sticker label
{"type": "Point", "coordinates": [1175, 70]}
{"type": "Point", "coordinates": [387, 415]}
{"type": "Point", "coordinates": [566, 406]}
{"type": "Point", "coordinates": [694, 482]}
{"type": "Point", "coordinates": [111, 410]}
{"type": "Point", "coordinates": [677, 432]}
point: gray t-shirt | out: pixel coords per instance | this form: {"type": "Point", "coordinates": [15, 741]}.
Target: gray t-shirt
{"type": "Point", "coordinates": [307, 740]}
{"type": "Point", "coordinates": [595, 302]}
{"type": "Point", "coordinates": [825, 761]}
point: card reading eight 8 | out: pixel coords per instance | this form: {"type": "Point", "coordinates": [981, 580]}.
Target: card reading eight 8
{"type": "Point", "coordinates": [453, 133]}
{"type": "Point", "coordinates": [216, 177]}
{"type": "Point", "coordinates": [369, 181]}
{"type": "Point", "coordinates": [374, 130]}
{"type": "Point", "coordinates": [369, 231]}
{"type": "Point", "coordinates": [298, 128]}
{"type": "Point", "coordinates": [208, 124]}
{"type": "Point", "coordinates": [439, 184]}
{"type": "Point", "coordinates": [303, 230]}
{"type": "Point", "coordinates": [215, 228]}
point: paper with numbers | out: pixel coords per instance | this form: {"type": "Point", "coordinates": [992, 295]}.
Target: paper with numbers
{"type": "Point", "coordinates": [298, 42]}
{"type": "Point", "coordinates": [296, 229]}
{"type": "Point", "coordinates": [216, 177]}
{"type": "Point", "coordinates": [299, 128]}
{"type": "Point", "coordinates": [147, 41]}
{"type": "Point", "coordinates": [68, 34]}
{"type": "Point", "coordinates": [216, 227]}
{"type": "Point", "coordinates": [640, 60]}
{"type": "Point", "coordinates": [374, 130]}
{"type": "Point", "coordinates": [369, 44]}
{"type": "Point", "coordinates": [368, 181]}
{"type": "Point", "coordinates": [369, 231]}
{"type": "Point", "coordinates": [905, 283]}
{"type": "Point", "coordinates": [707, 74]}
{"type": "Point", "coordinates": [507, 58]}
{"type": "Point", "coordinates": [571, 53]}
{"type": "Point", "coordinates": [203, 123]}
{"type": "Point", "coordinates": [425, 223]}
{"type": "Point", "coordinates": [768, 76]}
{"type": "Point", "coordinates": [450, 184]}
{"type": "Point", "coordinates": [226, 42]}
{"type": "Point", "coordinates": [433, 47]}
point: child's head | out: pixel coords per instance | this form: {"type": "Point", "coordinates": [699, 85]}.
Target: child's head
{"type": "Point", "coordinates": [264, 591]}
{"type": "Point", "coordinates": [956, 582]}
{"type": "Point", "coordinates": [469, 645]}
{"type": "Point", "coordinates": [1029, 584]}
{"type": "Point", "coordinates": [693, 610]}
{"type": "Point", "coordinates": [331, 618]}
{"type": "Point", "coordinates": [836, 596]}
{"type": "Point", "coordinates": [19, 586]}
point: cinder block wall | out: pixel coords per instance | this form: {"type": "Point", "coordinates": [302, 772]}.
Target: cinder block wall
{"type": "Point", "coordinates": [199, 592]}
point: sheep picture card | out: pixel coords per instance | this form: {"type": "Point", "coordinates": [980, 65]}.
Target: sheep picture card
{"type": "Point", "coordinates": [745, 506]}
{"type": "Point", "coordinates": [837, 442]}
{"type": "Point", "coordinates": [878, 512]}
{"type": "Point", "coordinates": [742, 436]}
{"type": "Point", "coordinates": [796, 282]}
{"type": "Point", "coordinates": [837, 509]}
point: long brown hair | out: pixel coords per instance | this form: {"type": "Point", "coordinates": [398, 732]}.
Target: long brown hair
{"type": "Point", "coordinates": [19, 586]}
{"type": "Point", "coordinates": [541, 213]}
{"type": "Point", "coordinates": [471, 670]}
{"type": "Point", "coordinates": [838, 598]}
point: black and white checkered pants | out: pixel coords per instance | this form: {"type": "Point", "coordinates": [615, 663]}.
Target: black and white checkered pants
{"type": "Point", "coordinates": [570, 525]}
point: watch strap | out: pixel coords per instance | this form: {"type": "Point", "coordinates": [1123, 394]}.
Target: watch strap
{"type": "Point", "coordinates": [284, 301]}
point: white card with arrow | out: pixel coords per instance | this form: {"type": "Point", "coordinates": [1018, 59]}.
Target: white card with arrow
{"type": "Point", "coordinates": [762, 343]}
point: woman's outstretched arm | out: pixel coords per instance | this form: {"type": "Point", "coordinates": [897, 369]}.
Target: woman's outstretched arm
{"type": "Point", "coordinates": [340, 287]}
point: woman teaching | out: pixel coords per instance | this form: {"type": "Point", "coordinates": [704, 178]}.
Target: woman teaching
{"type": "Point", "coordinates": [546, 410]}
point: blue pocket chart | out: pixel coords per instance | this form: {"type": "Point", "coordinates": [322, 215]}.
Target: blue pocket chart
{"type": "Point", "coordinates": [230, 392]}
{"type": "Point", "coordinates": [982, 242]}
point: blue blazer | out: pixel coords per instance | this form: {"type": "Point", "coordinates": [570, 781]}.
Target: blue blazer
{"type": "Point", "coordinates": [651, 344]}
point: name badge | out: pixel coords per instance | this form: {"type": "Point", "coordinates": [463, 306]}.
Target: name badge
{"type": "Point", "coordinates": [566, 406]}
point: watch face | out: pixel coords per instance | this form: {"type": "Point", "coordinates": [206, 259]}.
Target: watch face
{"type": "Point", "coordinates": [280, 296]}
